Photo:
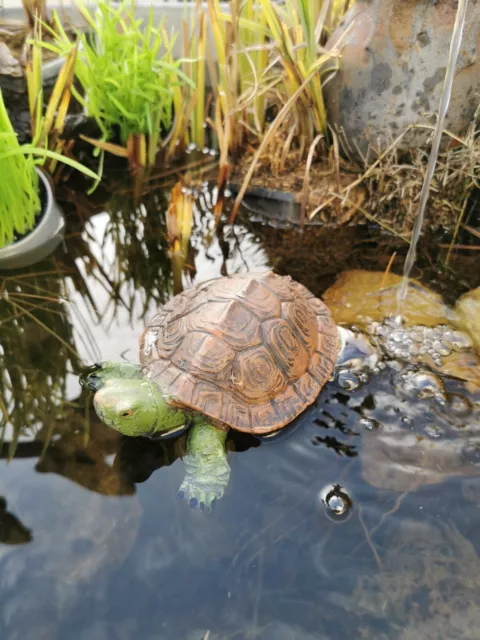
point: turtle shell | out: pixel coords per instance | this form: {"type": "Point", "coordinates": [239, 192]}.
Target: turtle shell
{"type": "Point", "coordinates": [249, 351]}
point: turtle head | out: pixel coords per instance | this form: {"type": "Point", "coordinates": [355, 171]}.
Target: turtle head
{"type": "Point", "coordinates": [136, 408]}
{"type": "Point", "coordinates": [97, 375]}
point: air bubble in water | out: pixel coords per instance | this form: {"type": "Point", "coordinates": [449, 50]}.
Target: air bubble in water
{"type": "Point", "coordinates": [348, 380]}
{"type": "Point", "coordinates": [424, 384]}
{"type": "Point", "coordinates": [433, 431]}
{"type": "Point", "coordinates": [416, 335]}
{"type": "Point", "coordinates": [337, 502]}
{"type": "Point", "coordinates": [460, 341]}
{"type": "Point", "coordinates": [369, 424]}
{"type": "Point", "coordinates": [471, 453]}
{"type": "Point", "coordinates": [459, 405]}
{"type": "Point", "coordinates": [441, 348]}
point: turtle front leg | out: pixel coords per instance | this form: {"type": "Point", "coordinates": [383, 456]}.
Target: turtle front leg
{"type": "Point", "coordinates": [98, 374]}
{"type": "Point", "coordinates": [207, 471]}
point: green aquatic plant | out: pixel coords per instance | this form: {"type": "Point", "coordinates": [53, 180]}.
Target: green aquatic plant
{"type": "Point", "coordinates": [47, 121]}
{"type": "Point", "coordinates": [19, 197]}
{"type": "Point", "coordinates": [19, 190]}
{"type": "Point", "coordinates": [127, 75]}
{"type": "Point", "coordinates": [272, 60]}
{"type": "Point", "coordinates": [189, 99]}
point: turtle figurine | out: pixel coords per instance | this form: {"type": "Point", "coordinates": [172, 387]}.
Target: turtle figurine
{"type": "Point", "coordinates": [247, 352]}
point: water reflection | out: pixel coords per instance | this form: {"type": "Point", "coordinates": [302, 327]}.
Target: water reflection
{"type": "Point", "coordinates": [12, 531]}
{"type": "Point", "coordinates": [37, 350]}
{"type": "Point", "coordinates": [108, 553]}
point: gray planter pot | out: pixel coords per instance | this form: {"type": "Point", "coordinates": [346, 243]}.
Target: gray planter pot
{"type": "Point", "coordinates": [42, 240]}
{"type": "Point", "coordinates": [392, 71]}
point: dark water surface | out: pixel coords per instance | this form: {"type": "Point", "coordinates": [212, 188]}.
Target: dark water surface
{"type": "Point", "coordinates": [94, 544]}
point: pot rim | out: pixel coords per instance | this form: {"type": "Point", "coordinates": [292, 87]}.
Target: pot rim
{"type": "Point", "coordinates": [42, 239]}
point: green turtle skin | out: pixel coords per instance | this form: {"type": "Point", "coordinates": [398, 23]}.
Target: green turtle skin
{"type": "Point", "coordinates": [135, 406]}
{"type": "Point", "coordinates": [207, 472]}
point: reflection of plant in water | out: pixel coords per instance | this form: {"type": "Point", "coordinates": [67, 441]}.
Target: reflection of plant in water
{"type": "Point", "coordinates": [12, 531]}
{"type": "Point", "coordinates": [82, 460]}
{"type": "Point", "coordinates": [179, 228]}
{"type": "Point", "coordinates": [429, 583]}
{"type": "Point", "coordinates": [129, 248]}
{"type": "Point", "coordinates": [37, 351]}
{"type": "Point", "coordinates": [141, 267]}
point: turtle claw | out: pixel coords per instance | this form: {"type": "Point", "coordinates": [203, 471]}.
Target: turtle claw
{"type": "Point", "coordinates": [200, 495]}
{"type": "Point", "coordinates": [207, 471]}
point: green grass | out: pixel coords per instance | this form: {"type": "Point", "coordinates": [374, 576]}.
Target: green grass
{"type": "Point", "coordinates": [47, 120]}
{"type": "Point", "coordinates": [127, 76]}
{"type": "Point", "coordinates": [271, 56]}
{"type": "Point", "coordinates": [19, 199]}
{"type": "Point", "coordinates": [268, 56]}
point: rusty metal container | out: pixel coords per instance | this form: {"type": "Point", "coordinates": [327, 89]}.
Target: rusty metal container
{"type": "Point", "coordinates": [392, 72]}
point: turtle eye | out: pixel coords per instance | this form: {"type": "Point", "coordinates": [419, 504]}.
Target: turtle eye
{"type": "Point", "coordinates": [127, 413]}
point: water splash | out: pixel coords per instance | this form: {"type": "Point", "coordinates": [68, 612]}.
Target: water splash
{"type": "Point", "coordinates": [432, 160]}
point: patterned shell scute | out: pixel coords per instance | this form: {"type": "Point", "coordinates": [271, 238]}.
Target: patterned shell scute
{"type": "Point", "coordinates": [250, 351]}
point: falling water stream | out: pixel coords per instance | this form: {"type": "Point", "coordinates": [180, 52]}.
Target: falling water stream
{"type": "Point", "coordinates": [432, 160]}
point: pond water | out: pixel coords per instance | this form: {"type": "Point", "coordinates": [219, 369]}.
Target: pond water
{"type": "Point", "coordinates": [94, 543]}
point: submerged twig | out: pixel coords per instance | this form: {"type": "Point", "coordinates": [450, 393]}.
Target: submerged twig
{"type": "Point", "coordinates": [368, 538]}
{"type": "Point", "coordinates": [387, 270]}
